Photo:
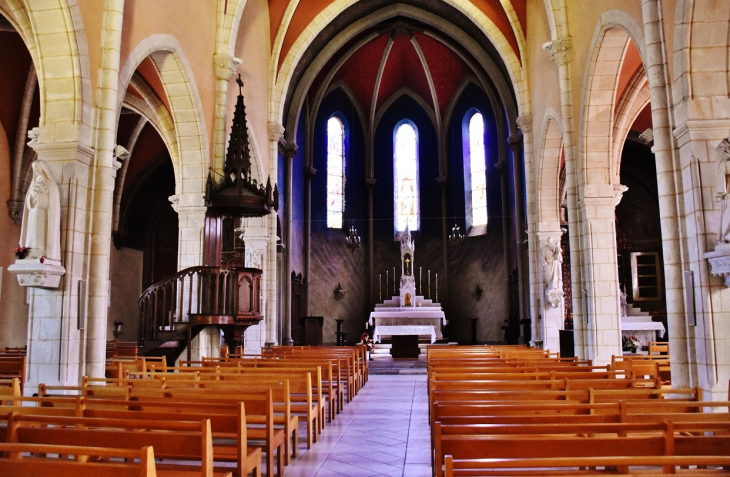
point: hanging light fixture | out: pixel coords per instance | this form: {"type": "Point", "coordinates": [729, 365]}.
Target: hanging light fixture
{"type": "Point", "coordinates": [456, 235]}
{"type": "Point", "coordinates": [353, 239]}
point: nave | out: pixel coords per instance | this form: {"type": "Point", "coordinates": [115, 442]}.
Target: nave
{"type": "Point", "coordinates": [383, 431]}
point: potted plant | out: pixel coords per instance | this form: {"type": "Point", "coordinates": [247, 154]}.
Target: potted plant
{"type": "Point", "coordinates": [365, 339]}
{"type": "Point", "coordinates": [21, 252]}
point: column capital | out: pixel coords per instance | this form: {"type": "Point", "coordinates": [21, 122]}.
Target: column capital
{"type": "Point", "coordinates": [288, 150]}
{"type": "Point", "coordinates": [524, 122]}
{"type": "Point", "coordinates": [602, 207]}
{"type": "Point", "coordinates": [515, 142]}
{"type": "Point", "coordinates": [442, 181]}
{"type": "Point", "coordinates": [371, 181]}
{"type": "Point", "coordinates": [225, 65]}
{"type": "Point", "coordinates": [188, 203]}
{"type": "Point", "coordinates": [309, 172]}
{"type": "Point", "coordinates": [559, 50]}
{"type": "Point", "coordinates": [276, 131]}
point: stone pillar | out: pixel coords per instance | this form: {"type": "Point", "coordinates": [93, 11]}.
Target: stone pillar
{"type": "Point", "coordinates": [559, 50]}
{"type": "Point", "coordinates": [443, 184]}
{"type": "Point", "coordinates": [309, 173]}
{"type": "Point", "coordinates": [370, 182]}
{"type": "Point", "coordinates": [656, 72]}
{"type": "Point", "coordinates": [289, 151]}
{"type": "Point", "coordinates": [256, 238]}
{"type": "Point", "coordinates": [515, 143]}
{"type": "Point", "coordinates": [552, 308]}
{"type": "Point", "coordinates": [57, 317]}
{"type": "Point", "coordinates": [603, 327]}
{"type": "Point", "coordinates": [190, 210]}
{"type": "Point", "coordinates": [225, 65]}
{"type": "Point", "coordinates": [276, 131]}
{"type": "Point", "coordinates": [102, 204]}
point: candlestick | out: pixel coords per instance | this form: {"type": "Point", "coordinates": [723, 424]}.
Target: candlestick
{"type": "Point", "coordinates": [394, 292]}
{"type": "Point", "coordinates": [420, 281]}
{"type": "Point", "coordinates": [437, 288]}
{"type": "Point", "coordinates": [380, 287]}
{"type": "Point", "coordinates": [429, 284]}
{"type": "Point", "coordinates": [386, 281]}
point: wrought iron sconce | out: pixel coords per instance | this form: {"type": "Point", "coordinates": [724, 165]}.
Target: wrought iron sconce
{"type": "Point", "coordinates": [117, 328]}
{"type": "Point", "coordinates": [339, 292]}
{"type": "Point", "coordinates": [353, 239]}
{"type": "Point", "coordinates": [456, 236]}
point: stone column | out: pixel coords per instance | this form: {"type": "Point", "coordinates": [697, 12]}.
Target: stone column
{"type": "Point", "coordinates": [656, 72]}
{"type": "Point", "coordinates": [191, 211]}
{"type": "Point", "coordinates": [370, 182]}
{"type": "Point", "coordinates": [515, 143]}
{"type": "Point", "coordinates": [559, 50]}
{"type": "Point", "coordinates": [288, 151]}
{"type": "Point", "coordinates": [552, 309]}
{"type": "Point", "coordinates": [103, 190]}
{"type": "Point", "coordinates": [309, 173]}
{"type": "Point", "coordinates": [276, 131]}
{"type": "Point", "coordinates": [256, 238]}
{"type": "Point", "coordinates": [603, 328]}
{"type": "Point", "coordinates": [57, 317]}
{"type": "Point", "coordinates": [443, 184]}
{"type": "Point", "coordinates": [225, 65]}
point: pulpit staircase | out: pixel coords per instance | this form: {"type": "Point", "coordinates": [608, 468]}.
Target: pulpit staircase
{"type": "Point", "coordinates": [173, 311]}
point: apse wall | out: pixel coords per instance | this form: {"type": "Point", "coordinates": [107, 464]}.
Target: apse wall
{"type": "Point", "coordinates": [479, 260]}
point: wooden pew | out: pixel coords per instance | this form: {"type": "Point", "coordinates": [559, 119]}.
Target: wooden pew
{"type": "Point", "coordinates": [177, 440]}
{"type": "Point", "coordinates": [546, 442]}
{"type": "Point", "coordinates": [9, 390]}
{"type": "Point", "coordinates": [23, 460]}
{"type": "Point", "coordinates": [13, 366]}
{"type": "Point", "coordinates": [583, 466]}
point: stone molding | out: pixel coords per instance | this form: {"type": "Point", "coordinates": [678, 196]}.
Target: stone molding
{"type": "Point", "coordinates": [38, 272]}
{"type": "Point", "coordinates": [559, 50]}
{"type": "Point", "coordinates": [276, 131]}
{"type": "Point", "coordinates": [554, 297]}
{"type": "Point", "coordinates": [720, 262]}
{"type": "Point", "coordinates": [225, 66]}
{"type": "Point", "coordinates": [524, 122]}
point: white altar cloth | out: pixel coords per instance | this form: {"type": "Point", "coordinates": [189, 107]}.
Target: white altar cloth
{"type": "Point", "coordinates": [380, 331]}
{"type": "Point", "coordinates": [407, 312]}
{"type": "Point", "coordinates": [646, 325]}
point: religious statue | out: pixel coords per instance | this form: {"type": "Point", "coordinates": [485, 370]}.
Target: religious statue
{"type": "Point", "coordinates": [40, 231]}
{"type": "Point", "coordinates": [552, 260]}
{"type": "Point", "coordinates": [722, 191]}
{"type": "Point", "coordinates": [622, 300]}
{"type": "Point", "coordinates": [407, 265]}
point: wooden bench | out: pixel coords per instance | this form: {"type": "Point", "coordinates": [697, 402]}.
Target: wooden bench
{"type": "Point", "coordinates": [176, 440]}
{"type": "Point", "coordinates": [13, 366]}
{"type": "Point", "coordinates": [583, 466]}
{"type": "Point", "coordinates": [592, 440]}
{"type": "Point", "coordinates": [23, 460]}
{"type": "Point", "coordinates": [9, 390]}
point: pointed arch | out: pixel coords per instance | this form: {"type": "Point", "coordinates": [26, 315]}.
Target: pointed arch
{"type": "Point", "coordinates": [548, 174]}
{"type": "Point", "coordinates": [190, 130]}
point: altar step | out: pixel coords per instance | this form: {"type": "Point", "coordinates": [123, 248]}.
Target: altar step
{"type": "Point", "coordinates": [384, 348]}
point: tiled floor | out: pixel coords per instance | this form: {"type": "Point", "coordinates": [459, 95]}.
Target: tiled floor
{"type": "Point", "coordinates": [383, 431]}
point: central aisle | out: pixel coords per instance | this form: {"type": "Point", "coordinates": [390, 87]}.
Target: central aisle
{"type": "Point", "coordinates": [383, 431]}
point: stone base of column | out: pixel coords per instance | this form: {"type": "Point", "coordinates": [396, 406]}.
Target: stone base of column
{"type": "Point", "coordinates": [719, 262]}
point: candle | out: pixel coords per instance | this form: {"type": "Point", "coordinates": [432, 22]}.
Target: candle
{"type": "Point", "coordinates": [386, 281]}
{"type": "Point", "coordinates": [420, 281]}
{"type": "Point", "coordinates": [437, 288]}
{"type": "Point", "coordinates": [394, 292]}
{"type": "Point", "coordinates": [429, 284]}
{"type": "Point", "coordinates": [380, 287]}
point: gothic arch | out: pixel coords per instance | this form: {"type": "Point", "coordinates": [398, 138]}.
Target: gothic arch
{"type": "Point", "coordinates": [282, 78]}
{"type": "Point", "coordinates": [65, 112]}
{"type": "Point", "coordinates": [177, 78]}
{"type": "Point", "coordinates": [633, 100]}
{"type": "Point", "coordinates": [548, 176]}
{"type": "Point", "coordinates": [614, 31]}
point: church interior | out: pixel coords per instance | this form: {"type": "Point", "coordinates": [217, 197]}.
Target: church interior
{"type": "Point", "coordinates": [248, 175]}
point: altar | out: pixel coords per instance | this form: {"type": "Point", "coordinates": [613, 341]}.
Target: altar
{"type": "Point", "coordinates": [407, 312]}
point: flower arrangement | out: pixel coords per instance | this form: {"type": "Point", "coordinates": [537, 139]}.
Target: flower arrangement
{"type": "Point", "coordinates": [366, 339]}
{"type": "Point", "coordinates": [630, 343]}
{"type": "Point", "coordinates": [21, 252]}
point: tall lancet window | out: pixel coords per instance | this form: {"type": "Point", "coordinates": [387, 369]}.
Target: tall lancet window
{"type": "Point", "coordinates": [406, 176]}
{"type": "Point", "coordinates": [335, 172]}
{"type": "Point", "coordinates": [475, 172]}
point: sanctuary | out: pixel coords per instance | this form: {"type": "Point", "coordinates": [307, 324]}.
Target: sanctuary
{"type": "Point", "coordinates": [408, 313]}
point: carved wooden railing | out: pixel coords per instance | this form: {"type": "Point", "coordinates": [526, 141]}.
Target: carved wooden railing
{"type": "Point", "coordinates": [198, 296]}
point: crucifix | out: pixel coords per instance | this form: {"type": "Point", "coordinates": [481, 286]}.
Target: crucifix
{"type": "Point", "coordinates": [408, 262]}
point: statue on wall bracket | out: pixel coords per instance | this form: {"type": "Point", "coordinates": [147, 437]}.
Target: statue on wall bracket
{"type": "Point", "coordinates": [552, 261]}
{"type": "Point", "coordinates": [38, 262]}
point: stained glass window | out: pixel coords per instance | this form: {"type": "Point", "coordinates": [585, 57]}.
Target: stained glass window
{"type": "Point", "coordinates": [335, 172]}
{"type": "Point", "coordinates": [406, 177]}
{"type": "Point", "coordinates": [477, 170]}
